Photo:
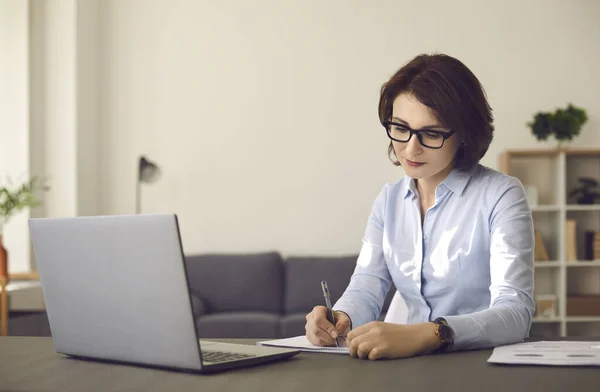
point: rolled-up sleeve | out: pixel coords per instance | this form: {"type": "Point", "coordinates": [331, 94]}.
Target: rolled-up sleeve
{"type": "Point", "coordinates": [363, 298]}
{"type": "Point", "coordinates": [511, 310]}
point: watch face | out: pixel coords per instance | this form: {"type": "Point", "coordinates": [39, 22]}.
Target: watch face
{"type": "Point", "coordinates": [445, 332]}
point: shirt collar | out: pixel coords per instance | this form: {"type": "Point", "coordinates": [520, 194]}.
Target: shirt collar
{"type": "Point", "coordinates": [410, 187]}
{"type": "Point", "coordinates": [456, 181]}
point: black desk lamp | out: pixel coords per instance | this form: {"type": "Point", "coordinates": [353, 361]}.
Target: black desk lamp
{"type": "Point", "coordinates": [148, 173]}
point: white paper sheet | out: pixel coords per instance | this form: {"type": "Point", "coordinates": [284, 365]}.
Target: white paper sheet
{"type": "Point", "coordinates": [559, 353]}
{"type": "Point", "coordinates": [301, 343]}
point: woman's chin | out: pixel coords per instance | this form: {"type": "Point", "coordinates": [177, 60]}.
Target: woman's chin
{"type": "Point", "coordinates": [415, 172]}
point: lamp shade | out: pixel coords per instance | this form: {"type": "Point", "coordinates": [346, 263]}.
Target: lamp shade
{"type": "Point", "coordinates": [149, 172]}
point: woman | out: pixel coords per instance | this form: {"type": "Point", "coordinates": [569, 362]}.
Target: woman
{"type": "Point", "coordinates": [454, 237]}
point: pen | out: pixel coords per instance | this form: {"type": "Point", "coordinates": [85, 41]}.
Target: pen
{"type": "Point", "coordinates": [330, 316]}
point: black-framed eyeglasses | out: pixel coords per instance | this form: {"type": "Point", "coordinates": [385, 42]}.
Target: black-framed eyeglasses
{"type": "Point", "coordinates": [427, 137]}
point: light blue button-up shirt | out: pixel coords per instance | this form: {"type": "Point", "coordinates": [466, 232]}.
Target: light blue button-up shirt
{"type": "Point", "coordinates": [471, 261]}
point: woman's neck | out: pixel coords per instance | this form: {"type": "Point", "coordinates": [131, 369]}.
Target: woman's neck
{"type": "Point", "coordinates": [427, 186]}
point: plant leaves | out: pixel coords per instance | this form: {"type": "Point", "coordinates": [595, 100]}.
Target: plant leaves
{"type": "Point", "coordinates": [22, 197]}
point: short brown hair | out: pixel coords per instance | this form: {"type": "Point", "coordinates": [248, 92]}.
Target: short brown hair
{"type": "Point", "coordinates": [455, 96]}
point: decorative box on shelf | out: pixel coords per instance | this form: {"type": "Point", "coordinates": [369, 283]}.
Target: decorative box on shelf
{"type": "Point", "coordinates": [546, 306]}
{"type": "Point", "coordinates": [583, 305]}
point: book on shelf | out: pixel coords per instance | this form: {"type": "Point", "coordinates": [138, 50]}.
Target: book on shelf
{"type": "Point", "coordinates": [571, 240]}
{"type": "Point", "coordinates": [539, 249]}
{"type": "Point", "coordinates": [592, 245]}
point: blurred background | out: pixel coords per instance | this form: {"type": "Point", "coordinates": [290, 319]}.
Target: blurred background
{"type": "Point", "coordinates": [262, 115]}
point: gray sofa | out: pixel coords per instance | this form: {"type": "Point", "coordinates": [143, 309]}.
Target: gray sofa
{"type": "Point", "coordinates": [262, 295]}
{"type": "Point", "coordinates": [257, 295]}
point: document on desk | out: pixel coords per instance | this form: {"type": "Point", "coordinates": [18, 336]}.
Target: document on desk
{"type": "Point", "coordinates": [557, 353]}
{"type": "Point", "coordinates": [301, 343]}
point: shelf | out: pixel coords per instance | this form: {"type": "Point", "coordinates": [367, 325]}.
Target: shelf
{"type": "Point", "coordinates": [545, 208]}
{"type": "Point", "coordinates": [583, 207]}
{"type": "Point", "coordinates": [582, 152]}
{"type": "Point", "coordinates": [546, 320]}
{"type": "Point", "coordinates": [570, 319]}
{"type": "Point", "coordinates": [534, 153]}
{"type": "Point", "coordinates": [537, 152]}
{"type": "Point", "coordinates": [583, 263]}
{"type": "Point", "coordinates": [546, 264]}
{"type": "Point", "coordinates": [568, 207]}
{"type": "Point", "coordinates": [25, 296]}
{"type": "Point", "coordinates": [549, 177]}
{"type": "Point", "coordinates": [583, 319]}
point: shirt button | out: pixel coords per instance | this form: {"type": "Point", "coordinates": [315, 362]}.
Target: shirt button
{"type": "Point", "coordinates": [424, 237]}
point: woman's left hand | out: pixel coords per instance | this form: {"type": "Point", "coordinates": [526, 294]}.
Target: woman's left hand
{"type": "Point", "coordinates": [379, 340]}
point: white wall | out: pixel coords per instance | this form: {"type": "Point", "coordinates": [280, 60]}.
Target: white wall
{"type": "Point", "coordinates": [87, 117]}
{"type": "Point", "coordinates": [64, 108]}
{"type": "Point", "coordinates": [54, 66]}
{"type": "Point", "coordinates": [14, 120]}
{"type": "Point", "coordinates": [48, 109]}
{"type": "Point", "coordinates": [263, 114]}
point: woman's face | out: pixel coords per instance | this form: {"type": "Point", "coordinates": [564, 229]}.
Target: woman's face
{"type": "Point", "coordinates": [417, 160]}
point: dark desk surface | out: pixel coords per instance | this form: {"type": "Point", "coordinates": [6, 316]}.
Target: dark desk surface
{"type": "Point", "coordinates": [31, 364]}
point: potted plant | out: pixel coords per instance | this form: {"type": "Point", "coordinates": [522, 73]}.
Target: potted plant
{"type": "Point", "coordinates": [586, 193]}
{"type": "Point", "coordinates": [13, 201]}
{"type": "Point", "coordinates": [564, 124]}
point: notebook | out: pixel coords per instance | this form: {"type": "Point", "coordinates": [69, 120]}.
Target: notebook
{"type": "Point", "coordinates": [302, 344]}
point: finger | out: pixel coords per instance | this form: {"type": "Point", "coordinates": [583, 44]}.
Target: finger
{"type": "Point", "coordinates": [376, 353]}
{"type": "Point", "coordinates": [363, 329]}
{"type": "Point", "coordinates": [310, 335]}
{"type": "Point", "coordinates": [323, 336]}
{"type": "Point", "coordinates": [311, 339]}
{"type": "Point", "coordinates": [354, 344]}
{"type": "Point", "coordinates": [314, 339]}
{"type": "Point", "coordinates": [320, 335]}
{"type": "Point", "coordinates": [342, 325]}
{"type": "Point", "coordinates": [364, 349]}
{"type": "Point", "coordinates": [320, 320]}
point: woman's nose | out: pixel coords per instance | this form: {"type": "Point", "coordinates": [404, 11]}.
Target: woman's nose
{"type": "Point", "coordinates": [413, 147]}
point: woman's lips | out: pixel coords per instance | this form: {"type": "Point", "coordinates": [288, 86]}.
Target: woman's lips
{"type": "Point", "coordinates": [413, 164]}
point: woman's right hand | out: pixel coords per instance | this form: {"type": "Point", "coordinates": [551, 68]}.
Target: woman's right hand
{"type": "Point", "coordinates": [320, 332]}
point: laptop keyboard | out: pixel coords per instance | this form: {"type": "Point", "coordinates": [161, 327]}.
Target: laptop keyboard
{"type": "Point", "coordinates": [222, 356]}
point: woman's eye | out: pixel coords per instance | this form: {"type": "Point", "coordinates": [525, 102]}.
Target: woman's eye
{"type": "Point", "coordinates": [400, 129]}
{"type": "Point", "coordinates": [432, 135]}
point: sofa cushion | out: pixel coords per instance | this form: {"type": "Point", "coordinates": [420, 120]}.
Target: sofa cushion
{"type": "Point", "coordinates": [303, 276]}
{"type": "Point", "coordinates": [293, 325]}
{"type": "Point", "coordinates": [238, 325]}
{"type": "Point", "coordinates": [237, 282]}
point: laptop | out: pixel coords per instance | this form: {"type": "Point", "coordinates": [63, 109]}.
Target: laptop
{"type": "Point", "coordinates": [116, 289]}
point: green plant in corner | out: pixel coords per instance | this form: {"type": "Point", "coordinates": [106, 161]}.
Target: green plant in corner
{"type": "Point", "coordinates": [564, 124]}
{"type": "Point", "coordinates": [14, 200]}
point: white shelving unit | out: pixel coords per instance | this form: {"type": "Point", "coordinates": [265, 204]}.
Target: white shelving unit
{"type": "Point", "coordinates": [554, 173]}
